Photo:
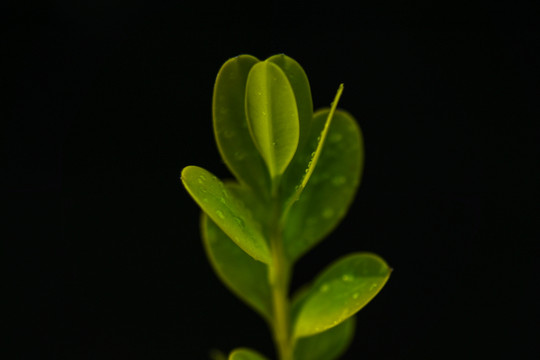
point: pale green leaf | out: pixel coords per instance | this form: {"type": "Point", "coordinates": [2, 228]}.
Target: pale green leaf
{"type": "Point", "coordinates": [272, 115]}
{"type": "Point", "coordinates": [244, 276]}
{"type": "Point", "coordinates": [231, 128]}
{"type": "Point", "coordinates": [302, 92]}
{"type": "Point", "coordinates": [245, 354]}
{"type": "Point", "coordinates": [340, 291]}
{"type": "Point", "coordinates": [328, 345]}
{"type": "Point", "coordinates": [332, 186]}
{"type": "Point", "coordinates": [227, 211]}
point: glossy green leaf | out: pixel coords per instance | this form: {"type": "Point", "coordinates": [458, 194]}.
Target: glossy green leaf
{"type": "Point", "coordinates": [302, 92]}
{"type": "Point", "coordinates": [245, 354]}
{"type": "Point", "coordinates": [272, 115]}
{"type": "Point", "coordinates": [328, 345]}
{"type": "Point", "coordinates": [230, 125]}
{"type": "Point", "coordinates": [340, 291]}
{"type": "Point", "coordinates": [244, 276]}
{"type": "Point", "coordinates": [227, 211]}
{"type": "Point", "coordinates": [332, 186]}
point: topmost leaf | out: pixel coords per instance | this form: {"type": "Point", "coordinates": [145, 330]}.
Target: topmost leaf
{"type": "Point", "coordinates": [302, 93]}
{"type": "Point", "coordinates": [272, 115]}
{"type": "Point", "coordinates": [230, 124]}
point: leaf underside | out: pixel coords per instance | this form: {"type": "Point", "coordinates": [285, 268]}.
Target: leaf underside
{"type": "Point", "coordinates": [328, 345]}
{"type": "Point", "coordinates": [243, 275]}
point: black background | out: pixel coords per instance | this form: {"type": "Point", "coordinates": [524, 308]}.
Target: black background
{"type": "Point", "coordinates": [107, 102]}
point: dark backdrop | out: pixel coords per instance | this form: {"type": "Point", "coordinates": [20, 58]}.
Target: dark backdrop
{"type": "Point", "coordinates": [107, 102]}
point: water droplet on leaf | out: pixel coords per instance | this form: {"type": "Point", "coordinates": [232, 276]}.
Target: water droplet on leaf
{"type": "Point", "coordinates": [220, 214]}
{"type": "Point", "coordinates": [339, 180]}
{"type": "Point", "coordinates": [239, 155]}
{"type": "Point", "coordinates": [240, 222]}
{"type": "Point", "coordinates": [328, 213]}
{"type": "Point", "coordinates": [334, 138]}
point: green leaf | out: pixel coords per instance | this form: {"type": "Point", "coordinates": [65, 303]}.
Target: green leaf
{"type": "Point", "coordinates": [227, 211]}
{"type": "Point", "coordinates": [272, 115]}
{"type": "Point", "coordinates": [340, 291]}
{"type": "Point", "coordinates": [328, 345]}
{"type": "Point", "coordinates": [230, 125]}
{"type": "Point", "coordinates": [332, 186]}
{"type": "Point", "coordinates": [244, 276]}
{"type": "Point", "coordinates": [302, 92]}
{"type": "Point", "coordinates": [305, 160]}
{"type": "Point", "coordinates": [245, 354]}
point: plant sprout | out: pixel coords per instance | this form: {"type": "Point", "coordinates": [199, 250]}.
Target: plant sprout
{"type": "Point", "coordinates": [296, 173]}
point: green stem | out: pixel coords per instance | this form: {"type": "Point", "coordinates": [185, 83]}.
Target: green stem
{"type": "Point", "coordinates": [279, 282]}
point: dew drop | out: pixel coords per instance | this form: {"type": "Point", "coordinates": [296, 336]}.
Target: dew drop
{"type": "Point", "coordinates": [324, 288]}
{"type": "Point", "coordinates": [328, 213]}
{"type": "Point", "coordinates": [373, 286]}
{"type": "Point", "coordinates": [335, 138]}
{"type": "Point", "coordinates": [313, 154]}
{"type": "Point", "coordinates": [220, 214]}
{"type": "Point", "coordinates": [240, 222]}
{"type": "Point", "coordinates": [355, 296]}
{"type": "Point", "coordinates": [222, 200]}
{"type": "Point", "coordinates": [339, 180]}
{"type": "Point", "coordinates": [274, 143]}
{"type": "Point", "coordinates": [239, 155]}
{"type": "Point", "coordinates": [347, 278]}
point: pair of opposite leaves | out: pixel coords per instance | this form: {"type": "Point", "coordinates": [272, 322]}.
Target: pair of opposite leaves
{"type": "Point", "coordinates": [266, 132]}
